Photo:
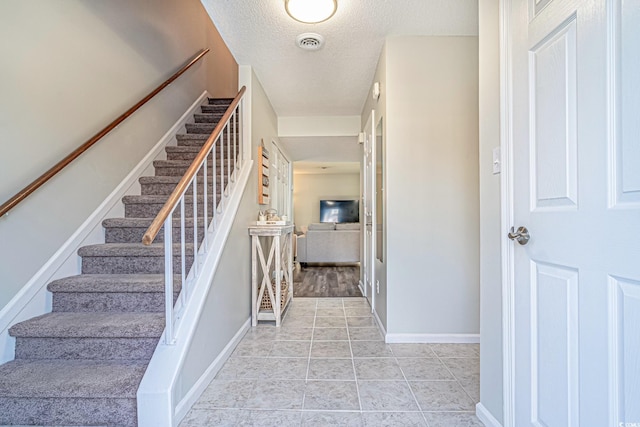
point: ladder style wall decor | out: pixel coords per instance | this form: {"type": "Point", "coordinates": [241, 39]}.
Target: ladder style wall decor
{"type": "Point", "coordinates": [278, 262]}
{"type": "Point", "coordinates": [263, 174]}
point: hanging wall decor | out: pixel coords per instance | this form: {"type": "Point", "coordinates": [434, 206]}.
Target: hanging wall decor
{"type": "Point", "coordinates": [263, 174]}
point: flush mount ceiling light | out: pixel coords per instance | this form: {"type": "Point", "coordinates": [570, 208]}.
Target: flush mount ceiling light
{"type": "Point", "coordinates": [311, 11]}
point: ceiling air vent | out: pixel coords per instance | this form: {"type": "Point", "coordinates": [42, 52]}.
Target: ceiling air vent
{"type": "Point", "coordinates": [310, 41]}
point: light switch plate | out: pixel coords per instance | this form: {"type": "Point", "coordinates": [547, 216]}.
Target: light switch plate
{"type": "Point", "coordinates": [497, 161]}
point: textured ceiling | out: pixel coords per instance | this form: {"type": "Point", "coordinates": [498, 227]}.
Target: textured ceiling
{"type": "Point", "coordinates": [336, 79]}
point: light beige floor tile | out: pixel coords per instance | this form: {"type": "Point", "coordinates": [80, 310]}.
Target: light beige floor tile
{"type": "Point", "coordinates": [253, 348]}
{"type": "Point", "coordinates": [330, 312]}
{"type": "Point", "coordinates": [412, 350]}
{"type": "Point", "coordinates": [361, 322]}
{"type": "Point", "coordinates": [294, 334]}
{"type": "Point", "coordinates": [331, 395]}
{"type": "Point", "coordinates": [386, 396]}
{"type": "Point", "coordinates": [331, 369]}
{"type": "Point", "coordinates": [277, 395]}
{"type": "Point", "coordinates": [355, 302]}
{"type": "Point", "coordinates": [378, 369]}
{"type": "Point", "coordinates": [326, 419]}
{"type": "Point", "coordinates": [424, 369]}
{"type": "Point", "coordinates": [331, 322]}
{"type": "Point", "coordinates": [260, 333]}
{"type": "Point", "coordinates": [357, 311]}
{"type": "Point", "coordinates": [456, 350]}
{"type": "Point", "coordinates": [393, 419]}
{"type": "Point", "coordinates": [441, 396]}
{"type": "Point", "coordinates": [214, 417]}
{"type": "Point", "coordinates": [472, 387]}
{"type": "Point", "coordinates": [243, 368]}
{"type": "Point", "coordinates": [365, 334]}
{"type": "Point", "coordinates": [323, 349]}
{"type": "Point", "coordinates": [272, 418]}
{"type": "Point", "coordinates": [463, 368]}
{"type": "Point", "coordinates": [330, 334]}
{"type": "Point", "coordinates": [329, 303]}
{"type": "Point", "coordinates": [298, 322]}
{"type": "Point", "coordinates": [285, 368]}
{"type": "Point", "coordinates": [371, 349]}
{"type": "Point", "coordinates": [450, 419]}
{"type": "Point", "coordinates": [290, 349]}
{"type": "Point", "coordinates": [221, 394]}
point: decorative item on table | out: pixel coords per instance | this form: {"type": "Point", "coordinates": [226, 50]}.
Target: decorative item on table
{"type": "Point", "coordinates": [270, 217]}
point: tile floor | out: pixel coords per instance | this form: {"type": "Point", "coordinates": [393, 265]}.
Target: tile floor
{"type": "Point", "coordinates": [328, 365]}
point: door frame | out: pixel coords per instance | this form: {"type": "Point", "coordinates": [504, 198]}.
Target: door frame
{"type": "Point", "coordinates": [507, 215]}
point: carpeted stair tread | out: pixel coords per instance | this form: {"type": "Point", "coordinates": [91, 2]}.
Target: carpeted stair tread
{"type": "Point", "coordinates": [91, 325]}
{"type": "Point", "coordinates": [129, 250]}
{"type": "Point", "coordinates": [190, 149]}
{"type": "Point", "coordinates": [170, 179]}
{"type": "Point", "coordinates": [220, 101]}
{"type": "Point", "coordinates": [208, 117]}
{"type": "Point", "coordinates": [182, 163]}
{"type": "Point", "coordinates": [113, 283]}
{"type": "Point", "coordinates": [71, 378]}
{"type": "Point", "coordinates": [143, 222]}
{"type": "Point", "coordinates": [202, 128]}
{"type": "Point", "coordinates": [213, 108]}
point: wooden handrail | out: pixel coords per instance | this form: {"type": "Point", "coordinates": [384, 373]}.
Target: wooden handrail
{"type": "Point", "coordinates": [26, 191]}
{"type": "Point", "coordinates": [174, 198]}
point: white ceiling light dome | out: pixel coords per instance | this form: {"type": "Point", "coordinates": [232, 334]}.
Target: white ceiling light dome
{"type": "Point", "coordinates": [311, 11]}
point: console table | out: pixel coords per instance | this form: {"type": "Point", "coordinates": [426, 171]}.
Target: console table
{"type": "Point", "coordinates": [278, 259]}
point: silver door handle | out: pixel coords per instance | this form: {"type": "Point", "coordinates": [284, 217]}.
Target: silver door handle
{"type": "Point", "coordinates": [521, 235]}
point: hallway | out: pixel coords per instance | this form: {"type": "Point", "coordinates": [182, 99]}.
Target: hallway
{"type": "Point", "coordinates": [328, 365]}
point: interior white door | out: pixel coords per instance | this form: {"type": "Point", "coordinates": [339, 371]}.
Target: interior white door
{"type": "Point", "coordinates": [369, 203]}
{"type": "Point", "coordinates": [576, 188]}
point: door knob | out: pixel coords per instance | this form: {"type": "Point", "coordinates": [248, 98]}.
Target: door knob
{"type": "Point", "coordinates": [521, 235]}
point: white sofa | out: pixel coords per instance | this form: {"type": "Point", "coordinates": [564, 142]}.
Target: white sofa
{"type": "Point", "coordinates": [330, 243]}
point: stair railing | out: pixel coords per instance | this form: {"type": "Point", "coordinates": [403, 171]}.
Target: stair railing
{"type": "Point", "coordinates": [42, 179]}
{"type": "Point", "coordinates": [227, 142]}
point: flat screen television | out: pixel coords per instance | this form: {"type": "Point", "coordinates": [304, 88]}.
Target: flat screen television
{"type": "Point", "coordinates": [339, 211]}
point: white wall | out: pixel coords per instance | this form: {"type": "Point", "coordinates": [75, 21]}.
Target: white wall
{"type": "Point", "coordinates": [490, 234]}
{"type": "Point", "coordinates": [309, 189]}
{"type": "Point", "coordinates": [432, 186]}
{"type": "Point", "coordinates": [68, 69]}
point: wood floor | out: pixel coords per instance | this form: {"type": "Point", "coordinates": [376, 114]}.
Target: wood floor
{"type": "Point", "coordinates": [327, 281]}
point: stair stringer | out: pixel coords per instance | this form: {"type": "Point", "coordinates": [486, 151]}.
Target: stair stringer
{"type": "Point", "coordinates": [34, 299]}
{"type": "Point", "coordinates": [156, 404]}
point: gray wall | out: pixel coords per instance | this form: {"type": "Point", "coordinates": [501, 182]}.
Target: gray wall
{"type": "Point", "coordinates": [228, 303]}
{"type": "Point", "coordinates": [432, 185]}
{"type": "Point", "coordinates": [490, 233]}
{"type": "Point", "coordinates": [68, 69]}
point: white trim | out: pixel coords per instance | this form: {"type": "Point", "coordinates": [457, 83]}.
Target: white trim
{"type": "Point", "coordinates": [33, 299]}
{"type": "Point", "coordinates": [360, 287]}
{"type": "Point", "coordinates": [433, 338]}
{"type": "Point", "coordinates": [379, 322]}
{"type": "Point", "coordinates": [192, 396]}
{"type": "Point", "coordinates": [507, 215]}
{"type": "Point", "coordinates": [156, 392]}
{"type": "Point", "coordinates": [485, 416]}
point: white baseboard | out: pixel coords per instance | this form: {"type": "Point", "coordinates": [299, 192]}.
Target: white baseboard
{"type": "Point", "coordinates": [361, 287]}
{"type": "Point", "coordinates": [33, 299]}
{"type": "Point", "coordinates": [485, 416]}
{"type": "Point", "coordinates": [379, 322]}
{"type": "Point", "coordinates": [433, 338]}
{"type": "Point", "coordinates": [182, 408]}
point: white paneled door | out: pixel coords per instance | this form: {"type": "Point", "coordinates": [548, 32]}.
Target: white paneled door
{"type": "Point", "coordinates": [368, 179]}
{"type": "Point", "coordinates": [575, 132]}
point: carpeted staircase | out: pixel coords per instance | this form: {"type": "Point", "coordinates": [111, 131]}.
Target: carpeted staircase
{"type": "Point", "coordinates": [82, 363]}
